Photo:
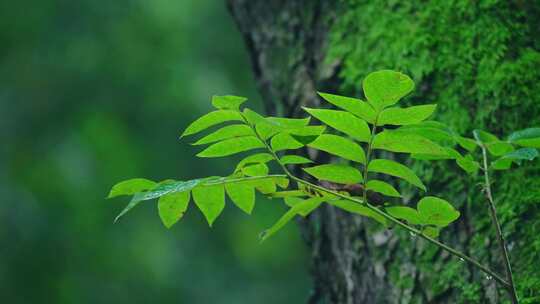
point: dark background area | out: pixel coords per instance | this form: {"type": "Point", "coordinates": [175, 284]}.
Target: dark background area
{"type": "Point", "coordinates": [94, 92]}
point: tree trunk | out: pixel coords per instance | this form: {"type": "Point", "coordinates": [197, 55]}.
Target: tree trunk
{"type": "Point", "coordinates": [352, 262]}
{"type": "Point", "coordinates": [286, 41]}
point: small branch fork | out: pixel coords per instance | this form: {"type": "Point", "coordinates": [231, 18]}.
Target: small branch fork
{"type": "Point", "coordinates": [387, 216]}
{"type": "Point", "coordinates": [502, 243]}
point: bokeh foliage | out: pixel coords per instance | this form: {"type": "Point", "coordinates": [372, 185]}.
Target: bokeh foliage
{"type": "Point", "coordinates": [478, 60]}
{"type": "Point", "coordinates": [93, 92]}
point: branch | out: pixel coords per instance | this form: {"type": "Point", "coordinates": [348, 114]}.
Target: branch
{"type": "Point", "coordinates": [493, 212]}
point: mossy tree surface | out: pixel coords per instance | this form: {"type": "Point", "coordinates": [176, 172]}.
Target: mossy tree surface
{"type": "Point", "coordinates": [479, 62]}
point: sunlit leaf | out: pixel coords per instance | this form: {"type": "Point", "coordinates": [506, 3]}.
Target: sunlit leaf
{"type": "Point", "coordinates": [259, 158]}
{"type": "Point", "coordinates": [336, 173]}
{"type": "Point", "coordinates": [436, 211]}
{"type": "Point", "coordinates": [131, 186]}
{"type": "Point", "coordinates": [499, 148]}
{"type": "Point", "coordinates": [226, 133]}
{"type": "Point", "coordinates": [395, 169]}
{"type": "Point", "coordinates": [255, 170]}
{"type": "Point", "coordinates": [231, 146]}
{"type": "Point", "coordinates": [405, 142]}
{"type": "Point", "coordinates": [339, 146]}
{"type": "Point", "coordinates": [313, 202]}
{"type": "Point", "coordinates": [468, 164]}
{"type": "Point", "coordinates": [210, 200]}
{"type": "Point", "coordinates": [344, 122]}
{"type": "Point", "coordinates": [527, 138]}
{"type": "Point", "coordinates": [431, 231]}
{"type": "Point", "coordinates": [405, 213]}
{"type": "Point", "coordinates": [289, 123]}
{"type": "Point", "coordinates": [228, 102]}
{"type": "Point", "coordinates": [284, 141]}
{"type": "Point", "coordinates": [432, 130]}
{"type": "Point", "coordinates": [382, 187]}
{"type": "Point", "coordinates": [211, 119]}
{"type": "Point", "coordinates": [355, 106]}
{"type": "Point", "coordinates": [290, 193]}
{"type": "Point", "coordinates": [405, 116]}
{"type": "Point", "coordinates": [359, 209]}
{"type": "Point", "coordinates": [242, 195]}
{"type": "Point", "coordinates": [385, 88]}
{"type": "Point", "coordinates": [294, 160]}
{"type": "Point", "coordinates": [466, 143]}
{"type": "Point", "coordinates": [291, 201]}
{"type": "Point", "coordinates": [303, 207]}
{"type": "Point", "coordinates": [171, 207]}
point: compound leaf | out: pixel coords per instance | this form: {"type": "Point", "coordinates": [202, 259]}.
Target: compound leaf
{"type": "Point", "coordinates": [232, 146]}
{"type": "Point", "coordinates": [405, 213]}
{"type": "Point", "coordinates": [259, 158]}
{"type": "Point", "coordinates": [385, 88]}
{"type": "Point", "coordinates": [343, 121]}
{"type": "Point", "coordinates": [225, 133]}
{"type": "Point", "coordinates": [527, 138]}
{"type": "Point", "coordinates": [355, 106]}
{"type": "Point", "coordinates": [302, 207]}
{"type": "Point", "coordinates": [211, 119]}
{"type": "Point", "coordinates": [359, 209]}
{"type": "Point", "coordinates": [242, 195]}
{"type": "Point", "coordinates": [255, 170]}
{"type": "Point", "coordinates": [284, 141]}
{"type": "Point", "coordinates": [405, 116]}
{"type": "Point", "coordinates": [436, 211]}
{"type": "Point", "coordinates": [382, 187]}
{"type": "Point", "coordinates": [171, 207]}
{"type": "Point", "coordinates": [406, 142]}
{"type": "Point", "coordinates": [131, 186]}
{"type": "Point", "coordinates": [431, 231]}
{"type": "Point", "coordinates": [336, 173]}
{"type": "Point", "coordinates": [228, 102]}
{"type": "Point", "coordinates": [294, 160]}
{"type": "Point", "coordinates": [505, 161]}
{"type": "Point", "coordinates": [210, 200]}
{"type": "Point", "coordinates": [339, 146]}
{"type": "Point", "coordinates": [393, 168]}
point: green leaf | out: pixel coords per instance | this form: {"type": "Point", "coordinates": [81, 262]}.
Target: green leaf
{"type": "Point", "coordinates": [344, 122]}
{"type": "Point", "coordinates": [210, 200]}
{"type": "Point", "coordinates": [290, 193]}
{"type": "Point", "coordinates": [284, 141]}
{"type": "Point", "coordinates": [432, 232]}
{"type": "Point", "coordinates": [405, 213]}
{"type": "Point", "coordinates": [336, 173]}
{"type": "Point", "coordinates": [302, 207]}
{"type": "Point", "coordinates": [232, 146]}
{"type": "Point", "coordinates": [450, 154]}
{"type": "Point", "coordinates": [385, 88]}
{"type": "Point", "coordinates": [393, 168]}
{"type": "Point", "coordinates": [294, 160]}
{"type": "Point", "coordinates": [382, 187]}
{"type": "Point", "coordinates": [265, 186]}
{"type": "Point", "coordinates": [355, 106]}
{"type": "Point", "coordinates": [527, 138]}
{"type": "Point", "coordinates": [484, 137]}
{"type": "Point", "coordinates": [292, 201]}
{"type": "Point", "coordinates": [228, 102]}
{"type": "Point", "coordinates": [255, 170]}
{"type": "Point", "coordinates": [405, 116]}
{"type": "Point", "coordinates": [211, 119]}
{"type": "Point", "coordinates": [468, 164]}
{"type": "Point", "coordinates": [436, 211]}
{"type": "Point", "coordinates": [289, 123]}
{"type": "Point", "coordinates": [466, 143]}
{"type": "Point", "coordinates": [499, 148]}
{"type": "Point", "coordinates": [313, 202]}
{"type": "Point", "coordinates": [253, 117]}
{"type": "Point", "coordinates": [432, 130]}
{"type": "Point", "coordinates": [131, 186]}
{"type": "Point", "coordinates": [226, 132]}
{"type": "Point", "coordinates": [506, 160]}
{"type": "Point", "coordinates": [259, 158]}
{"type": "Point", "coordinates": [135, 200]}
{"type": "Point", "coordinates": [339, 146]}
{"type": "Point", "coordinates": [405, 142]}
{"type": "Point", "coordinates": [359, 209]}
{"type": "Point", "coordinates": [171, 207]}
{"type": "Point", "coordinates": [242, 195]}
{"type": "Point", "coordinates": [306, 131]}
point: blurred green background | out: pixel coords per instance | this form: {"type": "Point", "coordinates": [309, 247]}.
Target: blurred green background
{"type": "Point", "coordinates": [94, 92]}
